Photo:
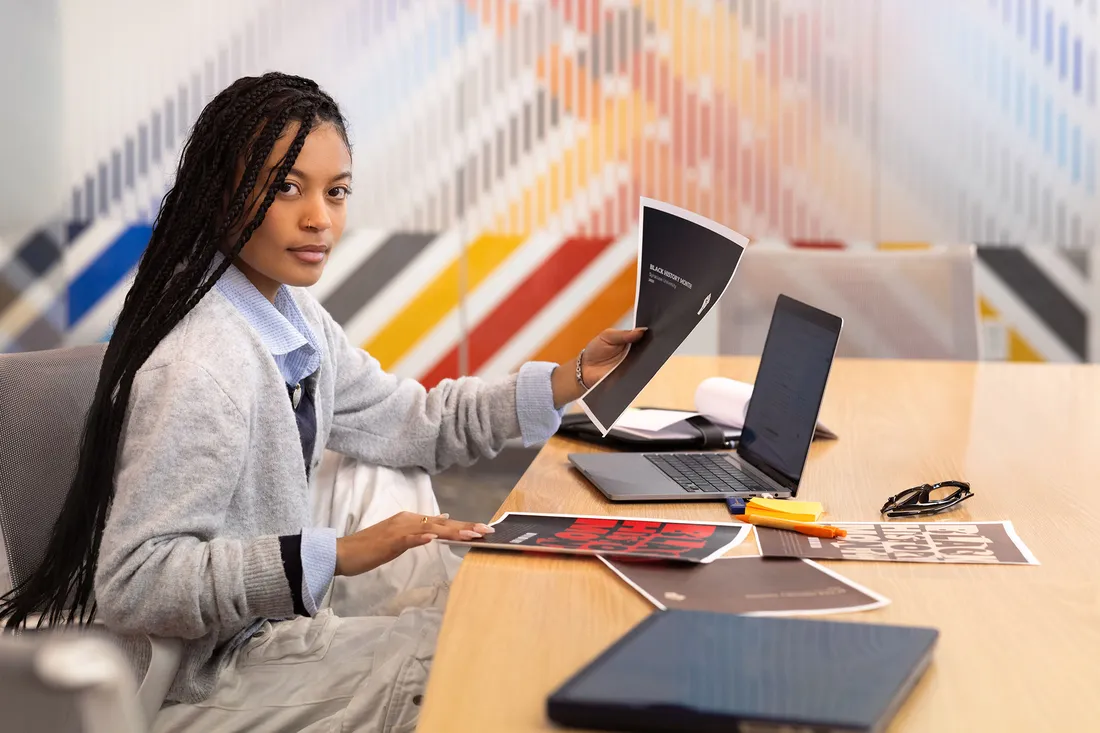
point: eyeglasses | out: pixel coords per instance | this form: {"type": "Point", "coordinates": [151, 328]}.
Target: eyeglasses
{"type": "Point", "coordinates": [918, 500]}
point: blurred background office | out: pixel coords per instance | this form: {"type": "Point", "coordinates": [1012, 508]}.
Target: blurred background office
{"type": "Point", "coordinates": [501, 147]}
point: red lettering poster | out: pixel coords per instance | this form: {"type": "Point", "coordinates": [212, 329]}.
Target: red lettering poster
{"type": "Point", "coordinates": [612, 536]}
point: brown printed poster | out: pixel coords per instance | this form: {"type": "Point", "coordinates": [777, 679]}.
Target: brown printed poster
{"type": "Point", "coordinates": [697, 542]}
{"type": "Point", "coordinates": [983, 543]}
{"type": "Point", "coordinates": [753, 586]}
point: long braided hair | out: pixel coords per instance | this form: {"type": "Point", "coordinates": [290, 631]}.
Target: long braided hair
{"type": "Point", "coordinates": [214, 205]}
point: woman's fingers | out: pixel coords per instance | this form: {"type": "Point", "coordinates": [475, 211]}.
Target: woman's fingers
{"type": "Point", "coordinates": [618, 336]}
{"type": "Point", "coordinates": [450, 529]}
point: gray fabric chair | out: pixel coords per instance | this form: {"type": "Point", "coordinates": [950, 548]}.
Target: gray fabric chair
{"type": "Point", "coordinates": [45, 397]}
{"type": "Point", "coordinates": [66, 683]}
{"type": "Point", "coordinates": [919, 304]}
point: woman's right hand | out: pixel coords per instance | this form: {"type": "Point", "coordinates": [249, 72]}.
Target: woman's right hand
{"type": "Point", "coordinates": [378, 544]}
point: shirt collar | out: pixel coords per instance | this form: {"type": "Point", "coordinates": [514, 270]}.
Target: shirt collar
{"type": "Point", "coordinates": [281, 325]}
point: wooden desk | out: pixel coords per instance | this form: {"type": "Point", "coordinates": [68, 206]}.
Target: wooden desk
{"type": "Point", "coordinates": [1019, 646]}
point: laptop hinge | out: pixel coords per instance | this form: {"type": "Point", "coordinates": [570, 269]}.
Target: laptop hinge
{"type": "Point", "coordinates": [779, 491]}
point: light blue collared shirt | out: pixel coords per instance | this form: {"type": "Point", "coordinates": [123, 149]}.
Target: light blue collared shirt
{"type": "Point", "coordinates": [297, 353]}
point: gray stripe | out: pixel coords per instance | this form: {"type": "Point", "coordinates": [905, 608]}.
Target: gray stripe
{"type": "Point", "coordinates": [102, 192]}
{"type": "Point", "coordinates": [143, 148]}
{"type": "Point", "coordinates": [8, 294]}
{"type": "Point", "coordinates": [158, 132]}
{"type": "Point", "coordinates": [460, 189]}
{"type": "Point", "coordinates": [89, 198]}
{"type": "Point", "coordinates": [41, 334]}
{"type": "Point", "coordinates": [1079, 258]}
{"type": "Point", "coordinates": [116, 175]}
{"type": "Point", "coordinates": [130, 165]}
{"type": "Point", "coordinates": [1040, 294]}
{"type": "Point", "coordinates": [39, 252]}
{"type": "Point", "coordinates": [375, 273]}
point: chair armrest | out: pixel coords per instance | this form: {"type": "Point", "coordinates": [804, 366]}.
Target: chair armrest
{"type": "Point", "coordinates": [164, 662]}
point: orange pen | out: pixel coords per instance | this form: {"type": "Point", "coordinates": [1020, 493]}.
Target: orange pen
{"type": "Point", "coordinates": [813, 530]}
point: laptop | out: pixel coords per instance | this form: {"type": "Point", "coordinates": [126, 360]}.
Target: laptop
{"type": "Point", "coordinates": [700, 671]}
{"type": "Point", "coordinates": [775, 439]}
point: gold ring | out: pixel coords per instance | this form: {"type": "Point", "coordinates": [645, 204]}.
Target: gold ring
{"type": "Point", "coordinates": [424, 520]}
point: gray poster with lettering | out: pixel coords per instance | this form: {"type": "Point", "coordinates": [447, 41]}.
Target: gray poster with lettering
{"type": "Point", "coordinates": [983, 543]}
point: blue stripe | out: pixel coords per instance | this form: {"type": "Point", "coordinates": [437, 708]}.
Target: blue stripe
{"type": "Point", "coordinates": [1077, 66]}
{"type": "Point", "coordinates": [1021, 92]}
{"type": "Point", "coordinates": [1062, 140]}
{"type": "Point", "coordinates": [1090, 169]}
{"type": "Point", "coordinates": [1048, 127]}
{"type": "Point", "coordinates": [1049, 45]}
{"type": "Point", "coordinates": [107, 271]}
{"type": "Point", "coordinates": [1034, 25]}
{"type": "Point", "coordinates": [1063, 50]}
{"type": "Point", "coordinates": [1034, 104]}
{"type": "Point", "coordinates": [403, 73]}
{"type": "Point", "coordinates": [1075, 155]}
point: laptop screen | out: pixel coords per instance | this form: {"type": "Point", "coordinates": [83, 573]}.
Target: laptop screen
{"type": "Point", "coordinates": [790, 383]}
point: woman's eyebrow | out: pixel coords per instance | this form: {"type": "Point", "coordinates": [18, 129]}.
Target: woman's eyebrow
{"type": "Point", "coordinates": [345, 175]}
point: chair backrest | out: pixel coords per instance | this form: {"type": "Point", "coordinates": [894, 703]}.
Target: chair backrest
{"type": "Point", "coordinates": [65, 683]}
{"type": "Point", "coordinates": [45, 397]}
{"type": "Point", "coordinates": [910, 304]}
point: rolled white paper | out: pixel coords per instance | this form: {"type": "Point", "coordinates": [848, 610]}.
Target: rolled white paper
{"type": "Point", "coordinates": [723, 401]}
{"type": "Point", "coordinates": [726, 401]}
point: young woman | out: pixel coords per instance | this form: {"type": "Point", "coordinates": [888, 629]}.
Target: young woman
{"type": "Point", "coordinates": [222, 386]}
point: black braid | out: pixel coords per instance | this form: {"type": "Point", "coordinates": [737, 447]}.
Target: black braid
{"type": "Point", "coordinates": [215, 191]}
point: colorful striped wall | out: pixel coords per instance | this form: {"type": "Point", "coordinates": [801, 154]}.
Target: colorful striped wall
{"type": "Point", "coordinates": [501, 147]}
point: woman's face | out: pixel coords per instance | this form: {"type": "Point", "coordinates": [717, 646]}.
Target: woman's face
{"type": "Point", "coordinates": [307, 216]}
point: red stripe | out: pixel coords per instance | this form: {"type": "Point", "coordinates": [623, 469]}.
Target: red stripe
{"type": "Point", "coordinates": [523, 304]}
{"type": "Point", "coordinates": [818, 244]}
{"type": "Point", "coordinates": [578, 13]}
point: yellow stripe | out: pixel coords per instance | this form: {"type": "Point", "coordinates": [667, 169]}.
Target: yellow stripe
{"type": "Point", "coordinates": [903, 246]}
{"type": "Point", "coordinates": [439, 297]}
{"type": "Point", "coordinates": [1019, 349]}
{"type": "Point", "coordinates": [988, 312]}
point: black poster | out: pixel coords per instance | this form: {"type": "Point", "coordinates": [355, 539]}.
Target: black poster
{"type": "Point", "coordinates": [685, 264]}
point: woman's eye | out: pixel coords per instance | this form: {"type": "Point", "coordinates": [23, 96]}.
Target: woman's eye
{"type": "Point", "coordinates": [339, 192]}
{"type": "Point", "coordinates": [288, 188]}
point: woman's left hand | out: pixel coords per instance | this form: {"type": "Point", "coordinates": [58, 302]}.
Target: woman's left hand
{"type": "Point", "coordinates": [600, 356]}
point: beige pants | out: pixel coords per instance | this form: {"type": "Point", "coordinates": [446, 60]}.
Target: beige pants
{"type": "Point", "coordinates": [359, 665]}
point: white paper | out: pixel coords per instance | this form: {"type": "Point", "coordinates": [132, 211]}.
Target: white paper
{"type": "Point", "coordinates": [725, 401]}
{"type": "Point", "coordinates": [651, 421]}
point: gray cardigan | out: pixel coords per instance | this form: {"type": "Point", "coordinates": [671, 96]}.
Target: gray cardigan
{"type": "Point", "coordinates": [210, 473]}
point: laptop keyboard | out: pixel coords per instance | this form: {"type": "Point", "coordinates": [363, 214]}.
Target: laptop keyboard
{"type": "Point", "coordinates": [705, 473]}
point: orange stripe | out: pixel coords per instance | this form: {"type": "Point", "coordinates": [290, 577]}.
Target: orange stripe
{"type": "Point", "coordinates": [604, 311]}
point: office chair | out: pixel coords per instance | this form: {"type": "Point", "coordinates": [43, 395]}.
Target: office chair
{"type": "Point", "coordinates": [45, 397]}
{"type": "Point", "coordinates": [910, 304]}
{"type": "Point", "coordinates": [66, 683]}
